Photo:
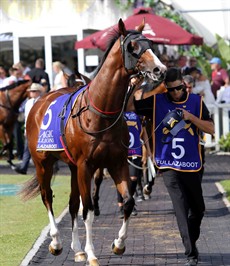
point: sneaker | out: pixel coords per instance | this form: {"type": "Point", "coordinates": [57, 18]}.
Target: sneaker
{"type": "Point", "coordinates": [121, 213]}
{"type": "Point", "coordinates": [147, 197]}
{"type": "Point", "coordinates": [13, 167]}
{"type": "Point", "coordinates": [191, 262]}
{"type": "Point", "coordinates": [134, 212]}
{"type": "Point", "coordinates": [140, 198]}
{"type": "Point", "coordinates": [20, 171]}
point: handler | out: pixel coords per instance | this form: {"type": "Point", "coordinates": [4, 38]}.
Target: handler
{"type": "Point", "coordinates": [178, 118]}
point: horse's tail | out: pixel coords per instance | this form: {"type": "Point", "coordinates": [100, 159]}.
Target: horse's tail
{"type": "Point", "coordinates": [30, 189]}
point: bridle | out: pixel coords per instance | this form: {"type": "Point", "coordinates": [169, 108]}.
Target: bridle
{"type": "Point", "coordinates": [130, 60]}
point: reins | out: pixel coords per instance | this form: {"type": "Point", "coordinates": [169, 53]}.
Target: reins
{"type": "Point", "coordinates": [94, 107]}
{"type": "Point", "coordinates": [83, 109]}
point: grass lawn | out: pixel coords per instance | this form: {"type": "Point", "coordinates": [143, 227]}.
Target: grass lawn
{"type": "Point", "coordinates": [226, 186]}
{"type": "Point", "coordinates": [21, 222]}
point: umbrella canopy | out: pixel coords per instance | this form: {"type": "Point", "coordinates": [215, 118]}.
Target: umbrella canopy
{"type": "Point", "coordinates": [158, 29]}
{"type": "Point", "coordinates": [90, 42]}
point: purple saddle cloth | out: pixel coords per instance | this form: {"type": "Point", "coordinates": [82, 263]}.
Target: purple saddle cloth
{"type": "Point", "coordinates": [50, 131]}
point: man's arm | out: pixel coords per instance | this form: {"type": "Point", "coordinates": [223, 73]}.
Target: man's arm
{"type": "Point", "coordinates": [144, 107]}
{"type": "Point", "coordinates": [206, 126]}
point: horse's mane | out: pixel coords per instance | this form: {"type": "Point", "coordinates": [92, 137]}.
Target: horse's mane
{"type": "Point", "coordinates": [14, 85]}
{"type": "Point", "coordinates": [114, 35]}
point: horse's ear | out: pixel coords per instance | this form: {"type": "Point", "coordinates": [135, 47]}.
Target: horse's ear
{"type": "Point", "coordinates": [141, 26]}
{"type": "Point", "coordinates": [66, 76]}
{"type": "Point", "coordinates": [121, 27]}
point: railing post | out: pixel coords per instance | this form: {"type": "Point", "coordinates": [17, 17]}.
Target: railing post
{"type": "Point", "coordinates": [217, 126]}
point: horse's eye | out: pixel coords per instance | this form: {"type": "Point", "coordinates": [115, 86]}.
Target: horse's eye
{"type": "Point", "coordinates": [130, 48]}
{"type": "Point", "coordinates": [135, 47]}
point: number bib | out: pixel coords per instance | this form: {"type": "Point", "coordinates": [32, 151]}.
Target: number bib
{"type": "Point", "coordinates": [134, 126]}
{"type": "Point", "coordinates": [183, 153]}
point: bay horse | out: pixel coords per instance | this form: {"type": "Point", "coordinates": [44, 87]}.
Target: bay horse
{"type": "Point", "coordinates": [11, 97]}
{"type": "Point", "coordinates": [94, 136]}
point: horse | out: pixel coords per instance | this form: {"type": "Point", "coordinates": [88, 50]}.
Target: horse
{"type": "Point", "coordinates": [11, 98]}
{"type": "Point", "coordinates": [76, 80]}
{"type": "Point", "coordinates": [93, 137]}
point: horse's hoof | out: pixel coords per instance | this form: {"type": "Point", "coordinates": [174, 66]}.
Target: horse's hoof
{"type": "Point", "coordinates": [80, 256]}
{"type": "Point", "coordinates": [55, 252]}
{"type": "Point", "coordinates": [96, 212]}
{"type": "Point", "coordinates": [147, 191]}
{"type": "Point", "coordinates": [94, 262]}
{"type": "Point", "coordinates": [117, 251]}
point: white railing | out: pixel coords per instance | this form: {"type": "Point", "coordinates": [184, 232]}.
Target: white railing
{"type": "Point", "coordinates": [220, 114]}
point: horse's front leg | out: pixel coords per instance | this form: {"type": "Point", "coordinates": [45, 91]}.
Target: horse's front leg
{"type": "Point", "coordinates": [55, 246]}
{"type": "Point", "coordinates": [74, 202]}
{"type": "Point", "coordinates": [79, 254]}
{"type": "Point", "coordinates": [122, 181]}
{"type": "Point", "coordinates": [84, 184]}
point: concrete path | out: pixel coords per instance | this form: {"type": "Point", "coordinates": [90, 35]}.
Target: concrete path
{"type": "Point", "coordinates": [153, 234]}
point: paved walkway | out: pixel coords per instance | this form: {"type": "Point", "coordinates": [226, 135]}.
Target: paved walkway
{"type": "Point", "coordinates": [153, 235]}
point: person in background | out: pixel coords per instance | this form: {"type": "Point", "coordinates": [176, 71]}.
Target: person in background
{"type": "Point", "coordinates": [59, 80]}
{"type": "Point", "coordinates": [202, 86]}
{"type": "Point", "coordinates": [38, 73]}
{"type": "Point", "coordinates": [182, 63]}
{"type": "Point", "coordinates": [45, 86]}
{"type": "Point", "coordinates": [25, 67]}
{"type": "Point", "coordinates": [164, 59]}
{"type": "Point", "coordinates": [220, 76]}
{"type": "Point", "coordinates": [192, 62]}
{"type": "Point", "coordinates": [189, 83]}
{"type": "Point", "coordinates": [134, 157]}
{"type": "Point", "coordinates": [177, 152]}
{"type": "Point", "coordinates": [18, 126]}
{"type": "Point", "coordinates": [35, 93]}
{"type": "Point", "coordinates": [13, 77]}
{"type": "Point", "coordinates": [3, 76]}
{"type": "Point", "coordinates": [20, 70]}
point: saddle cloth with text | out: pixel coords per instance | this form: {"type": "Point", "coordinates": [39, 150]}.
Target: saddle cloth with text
{"type": "Point", "coordinates": [50, 131]}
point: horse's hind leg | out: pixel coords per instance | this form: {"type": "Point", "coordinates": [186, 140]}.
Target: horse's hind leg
{"type": "Point", "coordinates": [74, 203]}
{"type": "Point", "coordinates": [7, 142]}
{"type": "Point", "coordinates": [98, 178]}
{"type": "Point", "coordinates": [44, 174]}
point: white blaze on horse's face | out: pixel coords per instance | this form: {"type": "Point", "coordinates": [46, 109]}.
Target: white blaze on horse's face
{"type": "Point", "coordinates": [152, 65]}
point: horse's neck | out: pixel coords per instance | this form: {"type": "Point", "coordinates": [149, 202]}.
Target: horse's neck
{"type": "Point", "coordinates": [110, 85]}
{"type": "Point", "coordinates": [17, 96]}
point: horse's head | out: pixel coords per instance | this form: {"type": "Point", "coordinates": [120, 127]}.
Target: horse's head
{"type": "Point", "coordinates": [138, 55]}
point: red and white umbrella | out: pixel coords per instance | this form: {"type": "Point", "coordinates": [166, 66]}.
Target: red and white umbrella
{"type": "Point", "coordinates": [158, 29]}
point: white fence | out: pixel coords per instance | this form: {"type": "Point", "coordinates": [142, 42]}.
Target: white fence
{"type": "Point", "coordinates": [220, 114]}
